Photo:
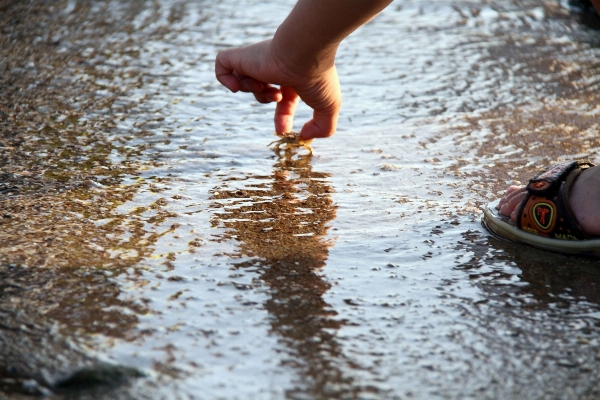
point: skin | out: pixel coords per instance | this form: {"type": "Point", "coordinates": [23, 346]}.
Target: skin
{"type": "Point", "coordinates": [300, 58]}
{"type": "Point", "coordinates": [584, 197]}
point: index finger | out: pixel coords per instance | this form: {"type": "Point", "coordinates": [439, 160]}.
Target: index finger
{"type": "Point", "coordinates": [285, 110]}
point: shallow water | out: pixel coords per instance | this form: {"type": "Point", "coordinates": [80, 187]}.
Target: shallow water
{"type": "Point", "coordinates": [184, 246]}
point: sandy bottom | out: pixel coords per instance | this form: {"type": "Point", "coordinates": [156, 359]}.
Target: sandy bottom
{"type": "Point", "coordinates": [153, 245]}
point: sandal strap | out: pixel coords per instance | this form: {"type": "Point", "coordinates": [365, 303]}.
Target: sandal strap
{"type": "Point", "coordinates": [546, 210]}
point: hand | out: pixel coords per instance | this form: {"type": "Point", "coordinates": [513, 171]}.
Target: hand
{"type": "Point", "coordinates": [257, 67]}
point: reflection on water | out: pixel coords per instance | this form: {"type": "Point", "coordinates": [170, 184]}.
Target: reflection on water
{"type": "Point", "coordinates": [215, 270]}
{"type": "Point", "coordinates": [552, 280]}
{"type": "Point", "coordinates": [281, 222]}
{"type": "Point", "coordinates": [542, 313]}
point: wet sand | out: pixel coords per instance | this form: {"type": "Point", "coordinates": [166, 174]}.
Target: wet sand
{"type": "Point", "coordinates": [152, 245]}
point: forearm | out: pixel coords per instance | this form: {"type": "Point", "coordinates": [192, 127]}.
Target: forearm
{"type": "Point", "coordinates": [312, 32]}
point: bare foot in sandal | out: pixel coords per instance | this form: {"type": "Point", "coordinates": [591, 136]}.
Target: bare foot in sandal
{"type": "Point", "coordinates": [584, 199]}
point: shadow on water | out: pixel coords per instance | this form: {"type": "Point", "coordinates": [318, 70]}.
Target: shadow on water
{"type": "Point", "coordinates": [551, 278]}
{"type": "Point", "coordinates": [540, 313]}
{"type": "Point", "coordinates": [281, 222]}
{"type": "Point", "coordinates": [586, 12]}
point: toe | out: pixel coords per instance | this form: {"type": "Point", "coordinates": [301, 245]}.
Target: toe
{"type": "Point", "coordinates": [513, 188]}
{"type": "Point", "coordinates": [511, 192]}
{"type": "Point", "coordinates": [511, 207]}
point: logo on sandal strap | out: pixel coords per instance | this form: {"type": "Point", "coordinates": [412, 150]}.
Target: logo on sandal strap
{"type": "Point", "coordinates": [543, 215]}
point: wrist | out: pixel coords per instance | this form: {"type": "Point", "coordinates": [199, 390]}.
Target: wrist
{"type": "Point", "coordinates": [300, 53]}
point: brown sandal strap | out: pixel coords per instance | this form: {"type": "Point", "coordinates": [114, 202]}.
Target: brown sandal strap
{"type": "Point", "coordinates": [546, 210]}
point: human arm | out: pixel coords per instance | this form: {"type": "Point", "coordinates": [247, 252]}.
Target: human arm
{"type": "Point", "coordinates": [300, 59]}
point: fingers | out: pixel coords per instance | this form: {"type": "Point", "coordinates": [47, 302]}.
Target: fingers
{"type": "Point", "coordinates": [269, 94]}
{"type": "Point", "coordinates": [263, 92]}
{"type": "Point", "coordinates": [230, 78]}
{"type": "Point", "coordinates": [250, 85]}
{"type": "Point", "coordinates": [323, 125]}
{"type": "Point", "coordinates": [325, 98]}
{"type": "Point", "coordinates": [285, 110]}
{"type": "Point", "coordinates": [245, 69]}
{"type": "Point", "coordinates": [224, 71]}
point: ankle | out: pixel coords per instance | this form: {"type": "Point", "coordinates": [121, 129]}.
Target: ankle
{"type": "Point", "coordinates": [585, 200]}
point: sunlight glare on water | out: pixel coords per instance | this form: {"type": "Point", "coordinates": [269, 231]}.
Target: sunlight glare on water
{"type": "Point", "coordinates": [361, 271]}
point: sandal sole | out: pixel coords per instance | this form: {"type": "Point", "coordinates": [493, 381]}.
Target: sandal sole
{"type": "Point", "coordinates": [503, 227]}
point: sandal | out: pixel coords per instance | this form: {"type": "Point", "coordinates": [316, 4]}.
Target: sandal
{"type": "Point", "coordinates": [545, 218]}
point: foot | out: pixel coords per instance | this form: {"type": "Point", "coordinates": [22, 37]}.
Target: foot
{"type": "Point", "coordinates": [584, 198]}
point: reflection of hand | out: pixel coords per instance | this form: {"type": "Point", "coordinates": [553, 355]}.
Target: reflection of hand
{"type": "Point", "coordinates": [257, 67]}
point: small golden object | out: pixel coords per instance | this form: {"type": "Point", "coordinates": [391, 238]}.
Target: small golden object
{"type": "Point", "coordinates": [290, 139]}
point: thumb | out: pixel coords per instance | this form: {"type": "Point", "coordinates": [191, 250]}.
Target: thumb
{"type": "Point", "coordinates": [325, 98]}
{"type": "Point", "coordinates": [322, 125]}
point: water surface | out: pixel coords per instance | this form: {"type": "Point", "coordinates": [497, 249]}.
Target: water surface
{"type": "Point", "coordinates": [166, 235]}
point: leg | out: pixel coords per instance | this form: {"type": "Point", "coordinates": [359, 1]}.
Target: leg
{"type": "Point", "coordinates": [584, 198]}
